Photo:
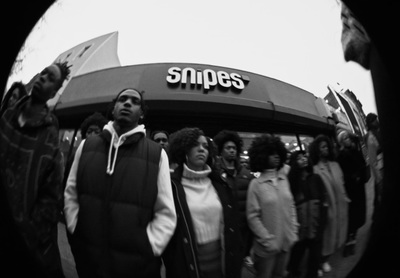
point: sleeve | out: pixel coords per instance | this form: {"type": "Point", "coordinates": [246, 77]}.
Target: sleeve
{"type": "Point", "coordinates": [372, 154]}
{"type": "Point", "coordinates": [162, 227]}
{"type": "Point", "coordinates": [293, 215]}
{"type": "Point", "coordinates": [253, 212]}
{"type": "Point", "coordinates": [71, 204]}
{"type": "Point", "coordinates": [47, 208]}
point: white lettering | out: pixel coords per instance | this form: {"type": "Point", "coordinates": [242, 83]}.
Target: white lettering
{"type": "Point", "coordinates": [185, 73]}
{"type": "Point", "coordinates": [199, 77]}
{"type": "Point", "coordinates": [207, 74]}
{"type": "Point", "coordinates": [208, 78]}
{"type": "Point", "coordinates": [174, 75]}
{"type": "Point", "coordinates": [237, 82]}
{"type": "Point", "coordinates": [224, 79]}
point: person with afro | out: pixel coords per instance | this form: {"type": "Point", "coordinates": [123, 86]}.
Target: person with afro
{"type": "Point", "coordinates": [270, 208]}
{"type": "Point", "coordinates": [207, 240]}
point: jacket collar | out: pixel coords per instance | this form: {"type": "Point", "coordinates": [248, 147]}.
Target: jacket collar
{"type": "Point", "coordinates": [47, 116]}
{"type": "Point", "coordinates": [268, 176]}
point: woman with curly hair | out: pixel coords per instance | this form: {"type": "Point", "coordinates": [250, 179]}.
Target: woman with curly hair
{"type": "Point", "coordinates": [323, 159]}
{"type": "Point", "coordinates": [93, 125]}
{"type": "Point", "coordinates": [309, 194]}
{"type": "Point", "coordinates": [270, 210]}
{"type": "Point", "coordinates": [207, 241]}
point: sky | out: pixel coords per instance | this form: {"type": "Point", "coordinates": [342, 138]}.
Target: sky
{"type": "Point", "coordinates": [294, 41]}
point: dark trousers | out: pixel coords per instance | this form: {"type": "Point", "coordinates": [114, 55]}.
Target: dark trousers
{"type": "Point", "coordinates": [298, 252]}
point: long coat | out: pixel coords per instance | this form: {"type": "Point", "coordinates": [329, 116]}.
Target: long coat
{"type": "Point", "coordinates": [335, 232]}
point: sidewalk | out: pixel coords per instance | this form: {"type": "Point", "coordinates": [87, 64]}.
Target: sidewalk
{"type": "Point", "coordinates": [340, 266]}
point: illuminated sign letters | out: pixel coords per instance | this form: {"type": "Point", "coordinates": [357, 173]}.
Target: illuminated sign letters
{"type": "Point", "coordinates": [207, 78]}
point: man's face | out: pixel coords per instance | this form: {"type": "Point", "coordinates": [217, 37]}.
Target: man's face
{"type": "Point", "coordinates": [162, 139]}
{"type": "Point", "coordinates": [127, 109]}
{"type": "Point", "coordinates": [47, 84]}
{"type": "Point", "coordinates": [229, 151]}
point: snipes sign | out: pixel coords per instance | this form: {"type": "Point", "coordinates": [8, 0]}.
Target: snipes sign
{"type": "Point", "coordinates": [207, 79]}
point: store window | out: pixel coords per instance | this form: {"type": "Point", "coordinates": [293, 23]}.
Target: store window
{"type": "Point", "coordinates": [305, 141]}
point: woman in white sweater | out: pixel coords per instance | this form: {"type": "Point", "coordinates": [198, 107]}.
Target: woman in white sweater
{"type": "Point", "coordinates": [271, 212]}
{"type": "Point", "coordinates": [207, 240]}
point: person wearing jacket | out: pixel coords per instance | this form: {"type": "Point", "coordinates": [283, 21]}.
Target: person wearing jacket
{"type": "Point", "coordinates": [354, 167]}
{"type": "Point", "coordinates": [309, 194]}
{"type": "Point", "coordinates": [207, 241]}
{"type": "Point", "coordinates": [373, 141]}
{"type": "Point", "coordinates": [31, 172]}
{"type": "Point", "coordinates": [271, 212]}
{"type": "Point", "coordinates": [119, 207]}
{"type": "Point", "coordinates": [324, 164]}
{"type": "Point", "coordinates": [229, 147]}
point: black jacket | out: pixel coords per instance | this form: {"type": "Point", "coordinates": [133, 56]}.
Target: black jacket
{"type": "Point", "coordinates": [180, 257]}
{"type": "Point", "coordinates": [239, 180]}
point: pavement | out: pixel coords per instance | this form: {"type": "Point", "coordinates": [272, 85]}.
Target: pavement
{"type": "Point", "coordinates": [341, 266]}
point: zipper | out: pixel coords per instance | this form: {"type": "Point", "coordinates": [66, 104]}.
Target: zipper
{"type": "Point", "coordinates": [187, 228]}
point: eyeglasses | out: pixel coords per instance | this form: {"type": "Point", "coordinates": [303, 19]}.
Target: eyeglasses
{"type": "Point", "coordinates": [164, 140]}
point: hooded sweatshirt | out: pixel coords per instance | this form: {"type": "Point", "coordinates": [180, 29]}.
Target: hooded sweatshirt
{"type": "Point", "coordinates": [161, 228]}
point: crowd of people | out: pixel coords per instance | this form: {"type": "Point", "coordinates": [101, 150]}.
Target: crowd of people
{"type": "Point", "coordinates": [134, 203]}
{"type": "Point", "coordinates": [26, 232]}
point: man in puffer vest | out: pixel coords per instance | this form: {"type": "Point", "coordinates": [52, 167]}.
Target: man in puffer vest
{"type": "Point", "coordinates": [119, 206]}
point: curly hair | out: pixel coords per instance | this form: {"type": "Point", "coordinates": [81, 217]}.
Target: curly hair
{"type": "Point", "coordinates": [183, 140]}
{"type": "Point", "coordinates": [94, 119]}
{"type": "Point", "coordinates": [314, 148]}
{"type": "Point", "coordinates": [260, 150]}
{"type": "Point", "coordinates": [227, 135]}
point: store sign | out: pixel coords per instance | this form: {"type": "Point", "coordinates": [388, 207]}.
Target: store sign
{"type": "Point", "coordinates": [207, 78]}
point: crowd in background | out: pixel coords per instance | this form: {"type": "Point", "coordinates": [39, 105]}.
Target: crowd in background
{"type": "Point", "coordinates": [134, 202]}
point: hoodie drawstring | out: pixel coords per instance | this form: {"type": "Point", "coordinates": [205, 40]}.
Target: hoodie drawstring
{"type": "Point", "coordinates": [110, 167]}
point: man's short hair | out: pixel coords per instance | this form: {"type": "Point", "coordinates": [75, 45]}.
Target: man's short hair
{"type": "Point", "coordinates": [143, 106]}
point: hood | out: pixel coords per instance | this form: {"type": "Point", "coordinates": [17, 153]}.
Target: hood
{"type": "Point", "coordinates": [117, 141]}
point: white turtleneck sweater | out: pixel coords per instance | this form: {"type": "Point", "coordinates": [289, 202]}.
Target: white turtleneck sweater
{"type": "Point", "coordinates": [204, 204]}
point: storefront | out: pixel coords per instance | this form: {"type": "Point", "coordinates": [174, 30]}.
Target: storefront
{"type": "Point", "coordinates": [210, 97]}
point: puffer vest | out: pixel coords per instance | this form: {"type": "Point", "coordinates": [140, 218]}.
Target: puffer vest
{"type": "Point", "coordinates": [110, 238]}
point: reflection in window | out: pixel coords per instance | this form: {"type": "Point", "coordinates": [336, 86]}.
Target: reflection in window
{"type": "Point", "coordinates": [66, 139]}
{"type": "Point", "coordinates": [305, 142]}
